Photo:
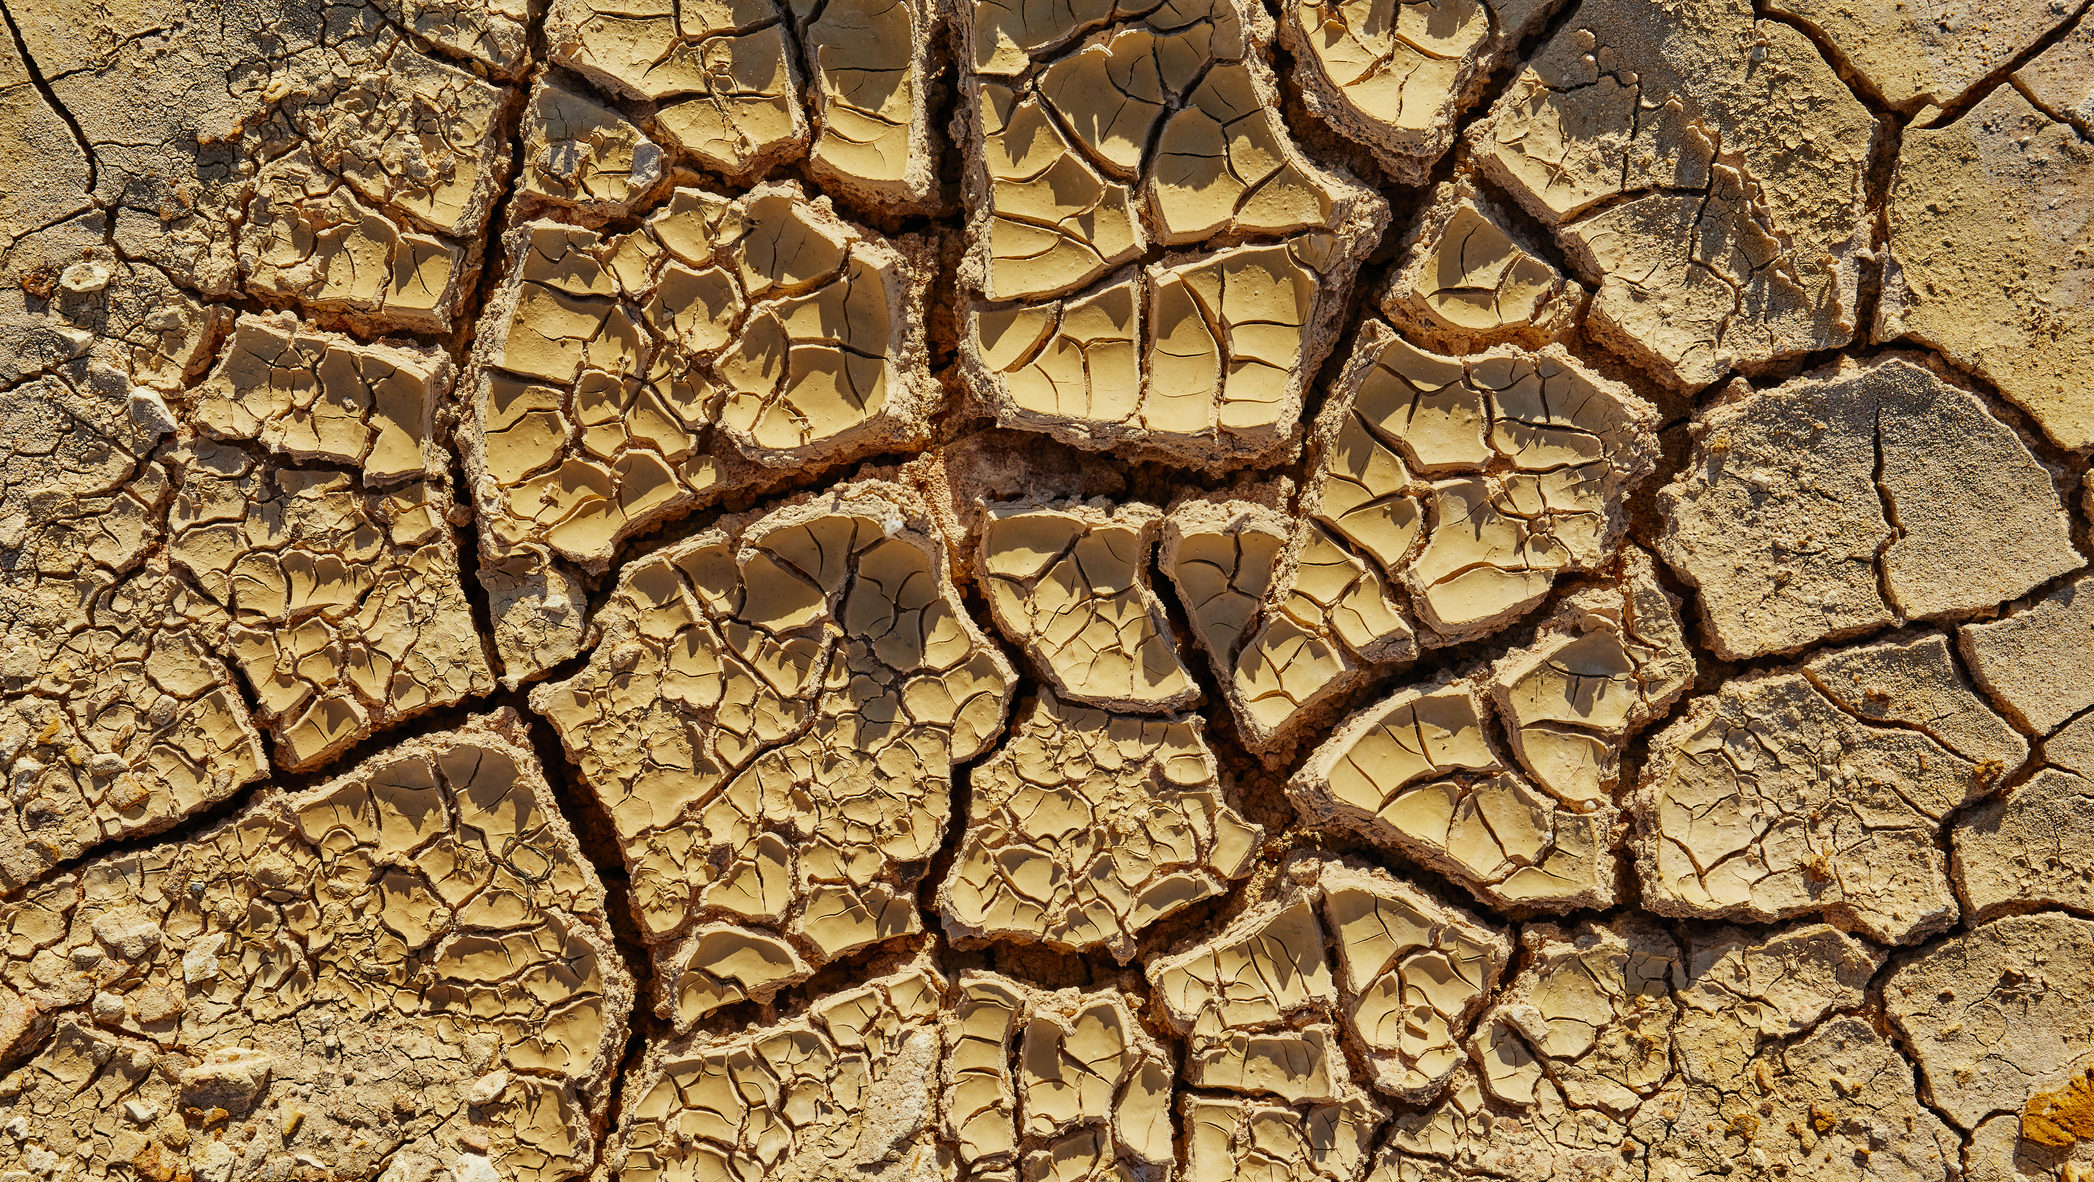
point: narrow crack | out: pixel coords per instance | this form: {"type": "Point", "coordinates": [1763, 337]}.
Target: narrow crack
{"type": "Point", "coordinates": [50, 97]}
{"type": "Point", "coordinates": [1248, 782]}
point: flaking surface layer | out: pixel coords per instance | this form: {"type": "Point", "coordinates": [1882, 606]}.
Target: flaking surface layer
{"type": "Point", "coordinates": [1046, 591]}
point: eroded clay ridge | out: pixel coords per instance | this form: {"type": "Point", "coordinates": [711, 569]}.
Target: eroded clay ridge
{"type": "Point", "coordinates": [1007, 591]}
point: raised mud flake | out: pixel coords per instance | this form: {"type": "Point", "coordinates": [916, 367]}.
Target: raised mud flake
{"type": "Point", "coordinates": [1476, 481]}
{"type": "Point", "coordinates": [1412, 975]}
{"type": "Point", "coordinates": [1425, 771]}
{"type": "Point", "coordinates": [317, 243]}
{"type": "Point", "coordinates": [1820, 791]}
{"type": "Point", "coordinates": [722, 77]}
{"type": "Point", "coordinates": [1419, 773]}
{"type": "Point", "coordinates": [1059, 1085]}
{"type": "Point", "coordinates": [583, 155]}
{"type": "Point", "coordinates": [1070, 583]}
{"type": "Point", "coordinates": [1195, 359]}
{"type": "Point", "coordinates": [1607, 663]}
{"type": "Point", "coordinates": [1991, 225]}
{"type": "Point", "coordinates": [1469, 279]}
{"type": "Point", "coordinates": [909, 1076]}
{"type": "Point", "coordinates": [849, 1087]}
{"type": "Point", "coordinates": [1997, 1015]}
{"type": "Point", "coordinates": [1445, 499]}
{"type": "Point", "coordinates": [1931, 53]}
{"type": "Point", "coordinates": [1225, 558]}
{"type": "Point", "coordinates": [620, 378]}
{"type": "Point", "coordinates": [494, 33]}
{"type": "Point", "coordinates": [1830, 506]}
{"type": "Point", "coordinates": [2034, 662]}
{"type": "Point", "coordinates": [1591, 1018]}
{"type": "Point", "coordinates": [870, 62]}
{"type": "Point", "coordinates": [1334, 952]}
{"type": "Point", "coordinates": [1092, 137]}
{"type": "Point", "coordinates": [344, 607]}
{"type": "Point", "coordinates": [408, 964]}
{"type": "Point", "coordinates": [770, 721]}
{"type": "Point", "coordinates": [1396, 75]}
{"type": "Point", "coordinates": [2033, 848]}
{"type": "Point", "coordinates": [1089, 826]}
{"type": "Point", "coordinates": [1231, 1137]}
{"type": "Point", "coordinates": [1663, 147]}
{"type": "Point", "coordinates": [309, 395]}
{"type": "Point", "coordinates": [726, 84]}
{"type": "Point", "coordinates": [1571, 1048]}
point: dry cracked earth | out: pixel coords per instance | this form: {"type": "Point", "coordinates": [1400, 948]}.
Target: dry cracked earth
{"type": "Point", "coordinates": [1046, 590]}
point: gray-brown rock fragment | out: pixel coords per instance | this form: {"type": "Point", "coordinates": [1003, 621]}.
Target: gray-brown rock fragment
{"type": "Point", "coordinates": [2034, 662]}
{"type": "Point", "coordinates": [1835, 505]}
{"type": "Point", "coordinates": [1997, 1015]}
{"type": "Point", "coordinates": [1662, 146]}
{"type": "Point", "coordinates": [2032, 848]}
{"type": "Point", "coordinates": [1820, 791]}
{"type": "Point", "coordinates": [1991, 251]}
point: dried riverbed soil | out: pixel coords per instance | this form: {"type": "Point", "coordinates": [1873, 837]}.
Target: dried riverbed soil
{"type": "Point", "coordinates": [1005, 591]}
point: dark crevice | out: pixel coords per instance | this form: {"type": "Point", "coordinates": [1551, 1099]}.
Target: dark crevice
{"type": "Point", "coordinates": [591, 825]}
{"type": "Point", "coordinates": [2002, 75]}
{"type": "Point", "coordinates": [1252, 786]}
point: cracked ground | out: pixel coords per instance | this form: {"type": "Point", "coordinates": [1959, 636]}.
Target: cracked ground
{"type": "Point", "coordinates": [1025, 591]}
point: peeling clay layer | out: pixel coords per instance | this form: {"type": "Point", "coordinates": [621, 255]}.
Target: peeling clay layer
{"type": "Point", "coordinates": [1005, 591]}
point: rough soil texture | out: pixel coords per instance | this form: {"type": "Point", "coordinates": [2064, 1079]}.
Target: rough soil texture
{"type": "Point", "coordinates": [1004, 591]}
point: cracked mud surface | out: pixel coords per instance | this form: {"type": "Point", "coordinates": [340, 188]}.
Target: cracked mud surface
{"type": "Point", "coordinates": [1002, 591]}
